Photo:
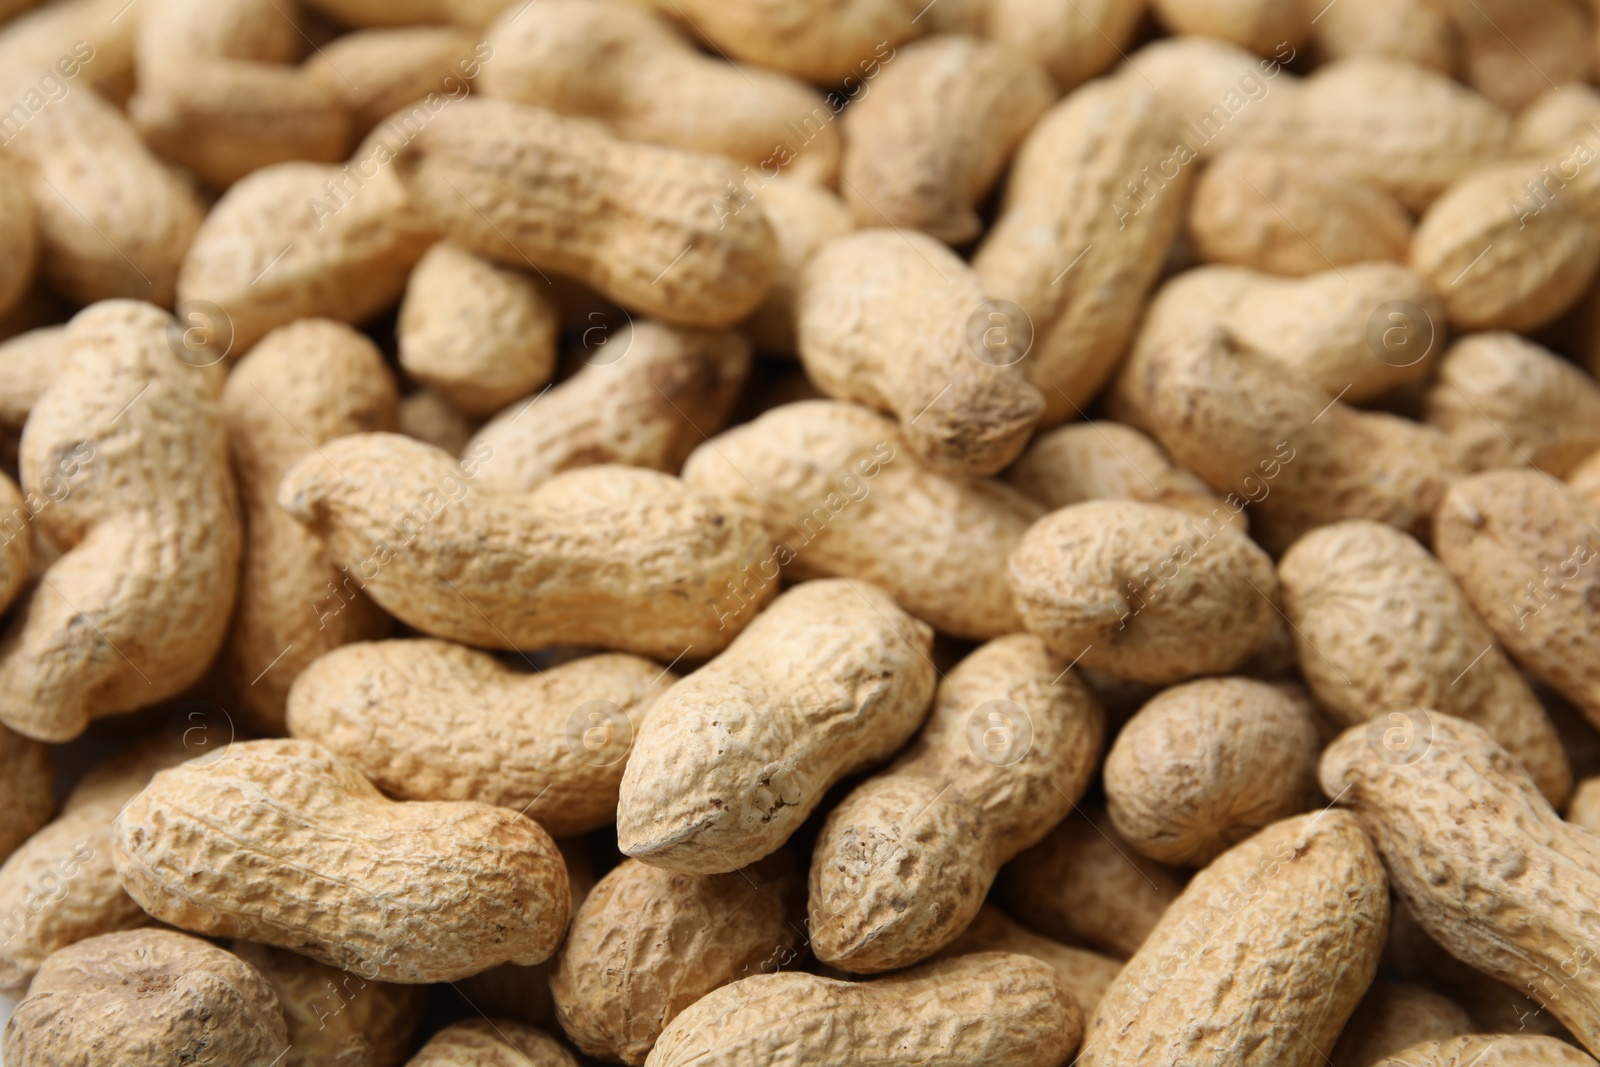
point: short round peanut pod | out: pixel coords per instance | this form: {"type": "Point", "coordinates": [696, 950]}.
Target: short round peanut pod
{"type": "Point", "coordinates": [1491, 1050]}
{"type": "Point", "coordinates": [1392, 1017]}
{"type": "Point", "coordinates": [1143, 591]}
{"type": "Point", "coordinates": [1108, 461]}
{"type": "Point", "coordinates": [492, 1043]}
{"type": "Point", "coordinates": [1205, 765]}
{"type": "Point", "coordinates": [146, 998]}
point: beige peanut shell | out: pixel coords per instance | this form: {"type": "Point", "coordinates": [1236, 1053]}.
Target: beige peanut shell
{"type": "Point", "coordinates": [376, 72]}
{"type": "Point", "coordinates": [1300, 908]}
{"type": "Point", "coordinates": [1225, 95]}
{"type": "Point", "coordinates": [404, 892]}
{"type": "Point", "coordinates": [1074, 39]}
{"type": "Point", "coordinates": [827, 681]}
{"type": "Point", "coordinates": [841, 494]}
{"type": "Point", "coordinates": [1104, 460]}
{"type": "Point", "coordinates": [1380, 625]}
{"type": "Point", "coordinates": [29, 362]}
{"type": "Point", "coordinates": [26, 779]}
{"type": "Point", "coordinates": [1086, 975]}
{"type": "Point", "coordinates": [492, 1043]}
{"type": "Point", "coordinates": [1485, 865]}
{"type": "Point", "coordinates": [648, 943]}
{"type": "Point", "coordinates": [1262, 26]}
{"type": "Point", "coordinates": [1513, 50]}
{"type": "Point", "coordinates": [905, 860]}
{"type": "Point", "coordinates": [804, 218]}
{"type": "Point", "coordinates": [1205, 765]}
{"type": "Point", "coordinates": [1393, 1017]}
{"type": "Point", "coordinates": [429, 720]}
{"type": "Point", "coordinates": [302, 386]}
{"type": "Point", "coordinates": [1555, 120]}
{"type": "Point", "coordinates": [1584, 807]}
{"type": "Point", "coordinates": [16, 544]}
{"type": "Point", "coordinates": [430, 418]}
{"type": "Point", "coordinates": [986, 1008]}
{"type": "Point", "coordinates": [1091, 580]}
{"type": "Point", "coordinates": [144, 998]}
{"type": "Point", "coordinates": [612, 556]}
{"type": "Point", "coordinates": [647, 396]}
{"type": "Point", "coordinates": [1491, 1050]}
{"type": "Point", "coordinates": [473, 14]}
{"type": "Point", "coordinates": [130, 441]}
{"type": "Point", "coordinates": [19, 237]}
{"type": "Point", "coordinates": [1413, 31]}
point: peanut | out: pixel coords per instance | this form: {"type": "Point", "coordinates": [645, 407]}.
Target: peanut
{"type": "Point", "coordinates": [456, 724]}
{"type": "Point", "coordinates": [143, 998]}
{"type": "Point", "coordinates": [136, 608]}
{"type": "Point", "coordinates": [1393, 1017]}
{"type": "Point", "coordinates": [1086, 975]}
{"type": "Point", "coordinates": [1379, 623]}
{"type": "Point", "coordinates": [492, 1043]}
{"type": "Point", "coordinates": [1107, 461]}
{"type": "Point", "coordinates": [804, 218]}
{"type": "Point", "coordinates": [1491, 1050]}
{"type": "Point", "coordinates": [19, 239]}
{"type": "Point", "coordinates": [828, 681]}
{"type": "Point", "coordinates": [1074, 39]}
{"type": "Point", "coordinates": [25, 790]}
{"type": "Point", "coordinates": [842, 495]}
{"type": "Point", "coordinates": [1257, 25]}
{"type": "Point", "coordinates": [377, 72]}
{"type": "Point", "coordinates": [1460, 824]}
{"type": "Point", "coordinates": [986, 1008]}
{"type": "Point", "coordinates": [1514, 49]}
{"type": "Point", "coordinates": [897, 322]}
{"type": "Point", "coordinates": [431, 419]}
{"type": "Point", "coordinates": [16, 551]}
{"type": "Point", "coordinates": [1584, 808]}
{"type": "Point", "coordinates": [1555, 119]}
{"type": "Point", "coordinates": [1216, 90]}
{"type": "Point", "coordinates": [489, 882]}
{"type": "Point", "coordinates": [1414, 31]}
{"type": "Point", "coordinates": [28, 364]}
{"type": "Point", "coordinates": [474, 14]}
{"type": "Point", "coordinates": [905, 860]}
{"type": "Point", "coordinates": [1082, 581]}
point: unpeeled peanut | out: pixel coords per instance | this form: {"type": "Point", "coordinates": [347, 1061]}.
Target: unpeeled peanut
{"type": "Point", "coordinates": [1074, 39]}
{"type": "Point", "coordinates": [377, 72]}
{"type": "Point", "coordinates": [804, 218]}
{"type": "Point", "coordinates": [1258, 25]}
{"type": "Point", "coordinates": [1393, 1017]}
{"type": "Point", "coordinates": [1086, 975]}
{"type": "Point", "coordinates": [1491, 1050]}
{"type": "Point", "coordinates": [16, 548]}
{"type": "Point", "coordinates": [1416, 31]}
{"type": "Point", "coordinates": [25, 790]}
{"type": "Point", "coordinates": [1108, 461]}
{"type": "Point", "coordinates": [492, 1043]}
{"type": "Point", "coordinates": [1584, 808]}
{"type": "Point", "coordinates": [1512, 50]}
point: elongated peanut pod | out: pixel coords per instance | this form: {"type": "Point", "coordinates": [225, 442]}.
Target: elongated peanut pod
{"type": "Point", "coordinates": [1258, 25]}
{"type": "Point", "coordinates": [1393, 1017]}
{"type": "Point", "coordinates": [1086, 975]}
{"type": "Point", "coordinates": [1513, 50]}
{"type": "Point", "coordinates": [1414, 31]}
{"type": "Point", "coordinates": [804, 218]}
{"type": "Point", "coordinates": [1491, 1050]}
{"type": "Point", "coordinates": [1074, 39]}
{"type": "Point", "coordinates": [1108, 461]}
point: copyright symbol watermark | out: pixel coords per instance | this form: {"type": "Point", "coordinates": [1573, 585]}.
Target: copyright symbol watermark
{"type": "Point", "coordinates": [999, 732]}
{"type": "Point", "coordinates": [599, 733]}
{"type": "Point", "coordinates": [200, 334]}
{"type": "Point", "coordinates": [999, 333]}
{"type": "Point", "coordinates": [605, 336]}
{"type": "Point", "coordinates": [1400, 733]}
{"type": "Point", "coordinates": [204, 730]}
{"type": "Point", "coordinates": [1400, 333]}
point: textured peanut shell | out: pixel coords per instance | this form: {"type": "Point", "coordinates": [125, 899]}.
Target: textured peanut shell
{"type": "Point", "coordinates": [612, 556]}
{"type": "Point", "coordinates": [335, 1017]}
{"type": "Point", "coordinates": [803, 217]}
{"type": "Point", "coordinates": [473, 14]}
{"type": "Point", "coordinates": [492, 1043]}
{"type": "Point", "coordinates": [138, 605]}
{"type": "Point", "coordinates": [1108, 461]}
{"type": "Point", "coordinates": [1282, 214]}
{"type": "Point", "coordinates": [1536, 259]}
{"type": "Point", "coordinates": [25, 790]}
{"type": "Point", "coordinates": [646, 402]}
{"type": "Point", "coordinates": [75, 849]}
{"type": "Point", "coordinates": [1485, 865]}
{"type": "Point", "coordinates": [1205, 765]}
{"type": "Point", "coordinates": [648, 227]}
{"type": "Point", "coordinates": [1510, 538]}
{"type": "Point", "coordinates": [1379, 624]}
{"type": "Point", "coordinates": [19, 238]}
{"type": "Point", "coordinates": [1393, 1017]}
{"type": "Point", "coordinates": [376, 72]}
{"type": "Point", "coordinates": [1088, 580]}
{"type": "Point", "coordinates": [632, 69]}
{"type": "Point", "coordinates": [829, 680]}
{"type": "Point", "coordinates": [897, 321]}
{"type": "Point", "coordinates": [1224, 95]}
{"type": "Point", "coordinates": [1507, 402]}
{"type": "Point", "coordinates": [1262, 26]}
{"type": "Point", "coordinates": [302, 386]}
{"type": "Point", "coordinates": [1073, 39]}
{"type": "Point", "coordinates": [16, 550]}
{"type": "Point", "coordinates": [429, 720]}
{"type": "Point", "coordinates": [1555, 120]}
{"type": "Point", "coordinates": [1260, 961]}
{"type": "Point", "coordinates": [972, 1011]}
{"type": "Point", "coordinates": [1513, 50]}
{"type": "Point", "coordinates": [906, 859]}
{"type": "Point", "coordinates": [1084, 885]}
{"type": "Point", "coordinates": [1062, 251]}
{"type": "Point", "coordinates": [145, 998]}
{"type": "Point", "coordinates": [1584, 808]}
{"type": "Point", "coordinates": [927, 143]}
{"type": "Point", "coordinates": [31, 42]}
{"type": "Point", "coordinates": [28, 363]}
{"type": "Point", "coordinates": [1086, 975]}
{"type": "Point", "coordinates": [842, 495]}
{"type": "Point", "coordinates": [429, 418]}
{"type": "Point", "coordinates": [404, 892]}
{"type": "Point", "coordinates": [477, 334]}
{"type": "Point", "coordinates": [1491, 1050]}
{"type": "Point", "coordinates": [648, 943]}
{"type": "Point", "coordinates": [1413, 31]}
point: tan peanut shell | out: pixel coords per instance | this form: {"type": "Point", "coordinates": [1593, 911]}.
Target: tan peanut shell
{"type": "Point", "coordinates": [906, 859]}
{"type": "Point", "coordinates": [1513, 50]}
{"type": "Point", "coordinates": [26, 778]}
{"type": "Point", "coordinates": [1443, 801]}
{"type": "Point", "coordinates": [1393, 1017]}
{"type": "Point", "coordinates": [474, 14]}
{"type": "Point", "coordinates": [16, 544]}
{"type": "Point", "coordinates": [1300, 908]}
{"type": "Point", "coordinates": [633, 70]}
{"type": "Point", "coordinates": [1074, 39]}
{"type": "Point", "coordinates": [1069, 247]}
{"type": "Point", "coordinates": [1086, 975]}
{"type": "Point", "coordinates": [429, 720]}
{"type": "Point", "coordinates": [1260, 26]}
{"type": "Point", "coordinates": [1507, 402]}
{"type": "Point", "coordinates": [646, 397]}
{"type": "Point", "coordinates": [302, 386]}
{"type": "Point", "coordinates": [972, 1011]}
{"type": "Point", "coordinates": [1283, 214]}
{"type": "Point", "coordinates": [336, 1017]}
{"type": "Point", "coordinates": [376, 72]}
{"type": "Point", "coordinates": [305, 240]}
{"type": "Point", "coordinates": [841, 494]}
{"type": "Point", "coordinates": [59, 887]}
{"type": "Point", "coordinates": [1413, 31]}
{"type": "Point", "coordinates": [1491, 1050]}
{"type": "Point", "coordinates": [1584, 807]}
{"type": "Point", "coordinates": [430, 418]}
{"type": "Point", "coordinates": [19, 237]}
{"type": "Point", "coordinates": [612, 556]}
{"type": "Point", "coordinates": [1104, 460]}
{"type": "Point", "coordinates": [897, 321]}
{"type": "Point", "coordinates": [144, 998]}
{"type": "Point", "coordinates": [666, 243]}
{"type": "Point", "coordinates": [648, 943]}
{"type": "Point", "coordinates": [29, 362]}
{"type": "Point", "coordinates": [1204, 765]}
{"type": "Point", "coordinates": [149, 524]}
{"type": "Point", "coordinates": [42, 41]}
{"type": "Point", "coordinates": [1224, 95]}
{"type": "Point", "coordinates": [477, 334]}
{"type": "Point", "coordinates": [1090, 579]}
{"type": "Point", "coordinates": [1526, 551]}
{"type": "Point", "coordinates": [1084, 885]}
{"type": "Point", "coordinates": [405, 892]}
{"type": "Point", "coordinates": [926, 145]}
{"type": "Point", "coordinates": [492, 1043]}
{"type": "Point", "coordinates": [1555, 120]}
{"type": "Point", "coordinates": [1380, 625]}
{"type": "Point", "coordinates": [827, 681]}
{"type": "Point", "coordinates": [804, 218]}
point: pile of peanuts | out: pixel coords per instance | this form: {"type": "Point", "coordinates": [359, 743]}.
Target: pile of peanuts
{"type": "Point", "coordinates": [728, 533]}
